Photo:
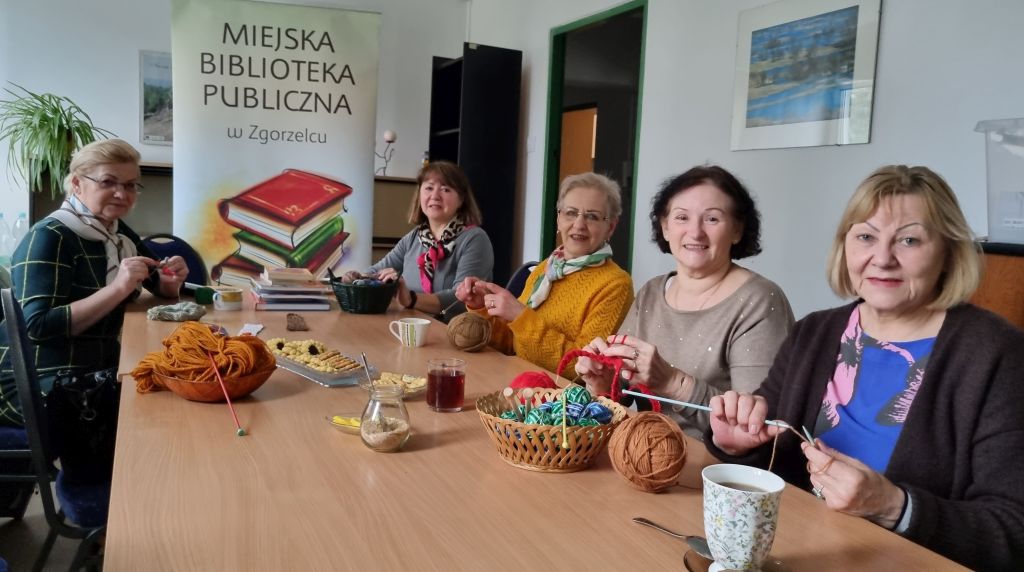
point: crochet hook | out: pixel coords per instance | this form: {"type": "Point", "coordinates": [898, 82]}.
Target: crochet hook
{"type": "Point", "coordinates": [238, 426]}
{"type": "Point", "coordinates": [782, 424]}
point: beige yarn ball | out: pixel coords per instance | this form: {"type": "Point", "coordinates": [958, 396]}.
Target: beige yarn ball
{"type": "Point", "coordinates": [469, 332]}
{"type": "Point", "coordinates": [649, 451]}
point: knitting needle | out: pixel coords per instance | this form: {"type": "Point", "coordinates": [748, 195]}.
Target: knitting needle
{"type": "Point", "coordinates": [810, 438]}
{"type": "Point", "coordinates": [508, 392]}
{"type": "Point", "coordinates": [238, 426]}
{"type": "Point", "coordinates": [782, 424]}
{"type": "Point", "coordinates": [565, 432]}
{"type": "Point", "coordinates": [527, 401]}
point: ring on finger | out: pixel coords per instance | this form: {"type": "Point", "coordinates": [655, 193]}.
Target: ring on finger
{"type": "Point", "coordinates": [818, 492]}
{"type": "Point", "coordinates": [636, 354]}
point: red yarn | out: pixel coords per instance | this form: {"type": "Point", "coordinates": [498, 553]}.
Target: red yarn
{"type": "Point", "coordinates": [532, 379]}
{"type": "Point", "coordinates": [613, 362]}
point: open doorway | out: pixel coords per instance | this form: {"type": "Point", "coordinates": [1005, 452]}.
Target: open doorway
{"type": "Point", "coordinates": [594, 112]}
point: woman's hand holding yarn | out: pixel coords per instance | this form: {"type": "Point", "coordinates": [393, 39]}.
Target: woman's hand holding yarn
{"type": "Point", "coordinates": [131, 272]}
{"type": "Point", "coordinates": [738, 422]}
{"type": "Point", "coordinates": [595, 375]}
{"type": "Point", "coordinates": [172, 275]}
{"type": "Point", "coordinates": [388, 275]}
{"type": "Point", "coordinates": [642, 364]}
{"type": "Point", "coordinates": [500, 302]}
{"type": "Point", "coordinates": [849, 486]}
{"type": "Point", "coordinates": [469, 293]}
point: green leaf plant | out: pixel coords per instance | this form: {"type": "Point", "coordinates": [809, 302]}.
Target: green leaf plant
{"type": "Point", "coordinates": [42, 132]}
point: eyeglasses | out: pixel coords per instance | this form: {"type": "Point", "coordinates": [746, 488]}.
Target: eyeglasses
{"type": "Point", "coordinates": [131, 187]}
{"type": "Point", "coordinates": [589, 217]}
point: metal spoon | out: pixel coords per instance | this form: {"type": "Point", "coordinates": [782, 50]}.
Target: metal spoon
{"type": "Point", "coordinates": [697, 543]}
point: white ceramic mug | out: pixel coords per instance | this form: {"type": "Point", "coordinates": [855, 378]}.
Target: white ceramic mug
{"type": "Point", "coordinates": [227, 299]}
{"type": "Point", "coordinates": [741, 510]}
{"type": "Point", "coordinates": [412, 332]}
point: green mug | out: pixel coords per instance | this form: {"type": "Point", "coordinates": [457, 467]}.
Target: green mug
{"type": "Point", "coordinates": [204, 295]}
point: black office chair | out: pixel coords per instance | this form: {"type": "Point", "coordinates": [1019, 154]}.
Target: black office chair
{"type": "Point", "coordinates": [17, 479]}
{"type": "Point", "coordinates": [166, 245]}
{"type": "Point", "coordinates": [518, 280]}
{"type": "Point", "coordinates": [77, 502]}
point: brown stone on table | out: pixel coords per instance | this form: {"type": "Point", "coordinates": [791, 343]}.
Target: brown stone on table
{"type": "Point", "coordinates": [296, 323]}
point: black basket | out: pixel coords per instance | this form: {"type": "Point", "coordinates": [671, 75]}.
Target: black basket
{"type": "Point", "coordinates": [364, 299]}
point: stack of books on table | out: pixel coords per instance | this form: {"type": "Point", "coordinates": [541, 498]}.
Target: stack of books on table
{"type": "Point", "coordinates": [289, 289]}
{"type": "Point", "coordinates": [292, 220]}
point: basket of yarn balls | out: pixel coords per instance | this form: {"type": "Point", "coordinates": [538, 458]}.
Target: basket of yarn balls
{"type": "Point", "coordinates": [365, 295]}
{"type": "Point", "coordinates": [469, 332]}
{"type": "Point", "coordinates": [535, 443]}
{"type": "Point", "coordinates": [649, 451]}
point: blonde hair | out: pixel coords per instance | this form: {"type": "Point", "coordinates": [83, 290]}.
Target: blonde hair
{"type": "Point", "coordinates": [102, 152]}
{"type": "Point", "coordinates": [963, 260]}
{"type": "Point", "coordinates": [611, 190]}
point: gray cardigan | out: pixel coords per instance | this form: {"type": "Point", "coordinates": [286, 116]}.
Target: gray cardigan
{"type": "Point", "coordinates": [959, 454]}
{"type": "Point", "coordinates": [472, 255]}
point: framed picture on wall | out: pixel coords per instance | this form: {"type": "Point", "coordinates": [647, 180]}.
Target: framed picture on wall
{"type": "Point", "coordinates": [805, 74]}
{"type": "Point", "coordinates": [155, 97]}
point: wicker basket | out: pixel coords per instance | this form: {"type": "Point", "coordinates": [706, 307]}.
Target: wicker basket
{"type": "Point", "coordinates": [538, 447]}
{"type": "Point", "coordinates": [364, 299]}
{"type": "Point", "coordinates": [210, 391]}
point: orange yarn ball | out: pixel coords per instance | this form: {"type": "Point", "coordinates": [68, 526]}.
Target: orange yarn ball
{"type": "Point", "coordinates": [649, 451]}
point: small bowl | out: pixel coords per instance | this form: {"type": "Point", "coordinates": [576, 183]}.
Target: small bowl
{"type": "Point", "coordinates": [350, 429]}
{"type": "Point", "coordinates": [210, 391]}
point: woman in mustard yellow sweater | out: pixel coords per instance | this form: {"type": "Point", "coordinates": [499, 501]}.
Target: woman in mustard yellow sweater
{"type": "Point", "coordinates": [577, 293]}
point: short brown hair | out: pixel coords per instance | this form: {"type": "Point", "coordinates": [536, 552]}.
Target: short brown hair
{"type": "Point", "coordinates": [590, 180]}
{"type": "Point", "coordinates": [744, 209]}
{"type": "Point", "coordinates": [102, 152]}
{"type": "Point", "coordinates": [450, 175]}
{"type": "Point", "coordinates": [963, 262]}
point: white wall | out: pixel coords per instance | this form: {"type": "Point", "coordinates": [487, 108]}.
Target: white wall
{"type": "Point", "coordinates": [89, 51]}
{"type": "Point", "coordinates": [942, 66]}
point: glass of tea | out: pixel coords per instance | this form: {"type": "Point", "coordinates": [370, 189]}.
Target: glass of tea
{"type": "Point", "coordinates": [446, 384]}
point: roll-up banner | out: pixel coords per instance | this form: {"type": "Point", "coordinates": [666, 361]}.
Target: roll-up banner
{"type": "Point", "coordinates": [274, 116]}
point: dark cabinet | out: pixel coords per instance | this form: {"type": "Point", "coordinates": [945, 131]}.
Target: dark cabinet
{"type": "Point", "coordinates": [474, 122]}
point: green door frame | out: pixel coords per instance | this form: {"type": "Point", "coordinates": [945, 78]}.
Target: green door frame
{"type": "Point", "coordinates": [553, 135]}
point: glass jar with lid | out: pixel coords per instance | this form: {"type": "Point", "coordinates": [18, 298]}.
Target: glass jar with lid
{"type": "Point", "coordinates": [385, 422]}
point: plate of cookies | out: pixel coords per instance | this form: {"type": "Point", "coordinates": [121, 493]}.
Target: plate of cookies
{"type": "Point", "coordinates": [316, 362]}
{"type": "Point", "coordinates": [411, 385]}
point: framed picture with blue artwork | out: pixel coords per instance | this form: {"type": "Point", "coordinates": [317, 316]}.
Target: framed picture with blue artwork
{"type": "Point", "coordinates": [805, 74]}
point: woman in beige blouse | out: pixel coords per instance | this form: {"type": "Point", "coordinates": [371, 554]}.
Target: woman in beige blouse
{"type": "Point", "coordinates": [711, 325]}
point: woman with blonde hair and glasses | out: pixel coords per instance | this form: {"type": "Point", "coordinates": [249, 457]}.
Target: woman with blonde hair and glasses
{"type": "Point", "coordinates": [577, 293]}
{"type": "Point", "coordinates": [74, 273]}
{"type": "Point", "coordinates": [913, 395]}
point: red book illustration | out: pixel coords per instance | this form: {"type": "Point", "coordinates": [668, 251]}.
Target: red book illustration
{"type": "Point", "coordinates": [286, 208]}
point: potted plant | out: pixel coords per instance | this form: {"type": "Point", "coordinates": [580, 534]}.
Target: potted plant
{"type": "Point", "coordinates": [42, 131]}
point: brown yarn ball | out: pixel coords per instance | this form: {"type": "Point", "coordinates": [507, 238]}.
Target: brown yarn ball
{"type": "Point", "coordinates": [469, 332]}
{"type": "Point", "coordinates": [649, 450]}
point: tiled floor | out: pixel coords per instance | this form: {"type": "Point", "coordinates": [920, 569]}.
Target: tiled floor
{"type": "Point", "coordinates": [20, 541]}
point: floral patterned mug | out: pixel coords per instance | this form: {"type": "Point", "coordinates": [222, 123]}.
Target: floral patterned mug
{"type": "Point", "coordinates": [741, 509]}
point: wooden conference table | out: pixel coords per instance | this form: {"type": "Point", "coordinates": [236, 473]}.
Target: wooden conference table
{"type": "Point", "coordinates": [296, 494]}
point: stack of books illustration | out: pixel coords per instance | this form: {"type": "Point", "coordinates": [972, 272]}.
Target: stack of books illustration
{"type": "Point", "coordinates": [292, 220]}
{"type": "Point", "coordinates": [289, 289]}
